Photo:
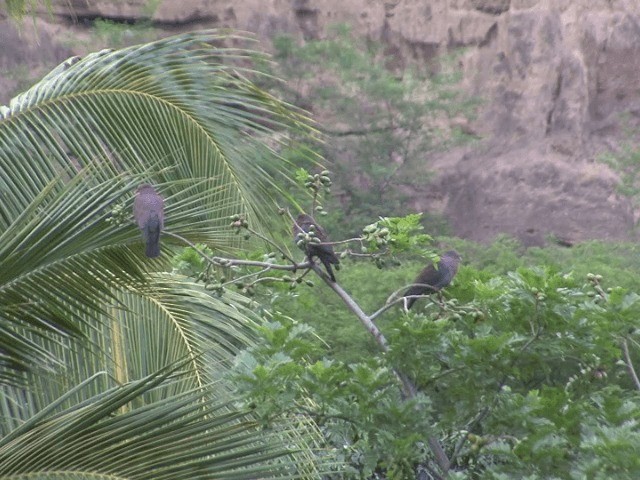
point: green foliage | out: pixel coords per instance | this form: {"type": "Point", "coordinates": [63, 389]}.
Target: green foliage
{"type": "Point", "coordinates": [404, 233]}
{"type": "Point", "coordinates": [17, 9]}
{"type": "Point", "coordinates": [115, 366]}
{"type": "Point", "coordinates": [521, 372]}
{"type": "Point", "coordinates": [118, 34]}
{"type": "Point", "coordinates": [357, 406]}
{"type": "Point", "coordinates": [190, 262]}
{"type": "Point", "coordinates": [626, 162]}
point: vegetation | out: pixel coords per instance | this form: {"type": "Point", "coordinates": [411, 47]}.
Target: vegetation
{"type": "Point", "coordinates": [528, 373]}
{"type": "Point", "coordinates": [380, 122]}
{"type": "Point", "coordinates": [625, 161]}
{"type": "Point", "coordinates": [118, 34]}
{"type": "Point", "coordinates": [115, 366]}
{"type": "Point", "coordinates": [233, 359]}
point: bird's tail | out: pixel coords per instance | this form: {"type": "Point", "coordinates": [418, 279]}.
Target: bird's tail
{"type": "Point", "coordinates": [152, 237]}
{"type": "Point", "coordinates": [326, 261]}
{"type": "Point", "coordinates": [153, 247]}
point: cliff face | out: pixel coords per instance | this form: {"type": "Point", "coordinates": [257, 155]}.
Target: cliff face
{"type": "Point", "coordinates": [558, 79]}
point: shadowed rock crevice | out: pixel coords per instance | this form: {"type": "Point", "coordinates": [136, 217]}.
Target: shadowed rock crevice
{"type": "Point", "coordinates": [492, 7]}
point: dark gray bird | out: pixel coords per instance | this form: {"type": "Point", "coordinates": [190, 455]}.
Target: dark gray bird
{"type": "Point", "coordinates": [434, 278]}
{"type": "Point", "coordinates": [148, 210]}
{"type": "Point", "coordinates": [305, 223]}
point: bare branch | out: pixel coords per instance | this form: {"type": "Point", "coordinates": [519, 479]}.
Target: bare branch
{"type": "Point", "coordinates": [355, 308]}
{"type": "Point", "coordinates": [230, 262]}
{"type": "Point", "coordinates": [274, 244]}
{"type": "Point", "coordinates": [388, 306]}
{"type": "Point", "coordinates": [243, 277]}
{"type": "Point", "coordinates": [391, 303]}
{"type": "Point", "coordinates": [408, 388]}
{"type": "Point", "coordinates": [629, 363]}
{"type": "Point", "coordinates": [441, 457]}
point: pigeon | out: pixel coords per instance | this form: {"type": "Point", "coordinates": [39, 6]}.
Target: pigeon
{"type": "Point", "coordinates": [434, 278]}
{"type": "Point", "coordinates": [148, 211]}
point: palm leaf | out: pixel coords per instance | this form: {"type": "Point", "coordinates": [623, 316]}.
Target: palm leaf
{"type": "Point", "coordinates": [178, 112]}
{"type": "Point", "coordinates": [152, 328]}
{"type": "Point", "coordinates": [182, 436]}
{"type": "Point", "coordinates": [171, 106]}
{"type": "Point", "coordinates": [60, 260]}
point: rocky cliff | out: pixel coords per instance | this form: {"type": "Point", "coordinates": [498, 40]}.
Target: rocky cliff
{"type": "Point", "coordinates": [558, 79]}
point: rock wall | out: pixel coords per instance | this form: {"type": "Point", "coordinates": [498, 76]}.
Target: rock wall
{"type": "Point", "coordinates": [558, 79]}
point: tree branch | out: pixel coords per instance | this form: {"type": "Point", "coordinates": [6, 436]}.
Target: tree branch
{"type": "Point", "coordinates": [627, 360]}
{"type": "Point", "coordinates": [355, 308]}
{"type": "Point", "coordinates": [409, 390]}
{"type": "Point", "coordinates": [230, 262]}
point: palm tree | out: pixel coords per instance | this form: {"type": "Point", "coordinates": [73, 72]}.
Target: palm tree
{"type": "Point", "coordinates": [108, 364]}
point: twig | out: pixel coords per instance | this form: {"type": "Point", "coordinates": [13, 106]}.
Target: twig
{"type": "Point", "coordinates": [340, 242]}
{"type": "Point", "coordinates": [441, 457]}
{"type": "Point", "coordinates": [390, 303]}
{"type": "Point", "coordinates": [388, 306]}
{"type": "Point", "coordinates": [627, 360]}
{"type": "Point", "coordinates": [365, 255]}
{"type": "Point", "coordinates": [271, 242]}
{"type": "Point", "coordinates": [230, 262]}
{"type": "Point", "coordinates": [236, 280]}
{"type": "Point", "coordinates": [456, 451]}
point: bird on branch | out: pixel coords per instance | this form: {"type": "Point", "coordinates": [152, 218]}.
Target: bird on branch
{"type": "Point", "coordinates": [306, 225]}
{"type": "Point", "coordinates": [434, 278]}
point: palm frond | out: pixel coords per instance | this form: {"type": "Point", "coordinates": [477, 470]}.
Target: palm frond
{"type": "Point", "coordinates": [143, 330]}
{"type": "Point", "coordinates": [183, 436]}
{"type": "Point", "coordinates": [180, 106]}
{"type": "Point", "coordinates": [182, 114]}
{"type": "Point", "coordinates": [179, 112]}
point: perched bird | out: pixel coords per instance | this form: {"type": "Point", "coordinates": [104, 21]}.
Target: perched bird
{"type": "Point", "coordinates": [305, 223]}
{"type": "Point", "coordinates": [434, 278]}
{"type": "Point", "coordinates": [148, 211]}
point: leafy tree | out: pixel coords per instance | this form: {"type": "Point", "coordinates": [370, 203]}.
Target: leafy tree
{"type": "Point", "coordinates": [525, 375]}
{"type": "Point", "coordinates": [114, 367]}
{"type": "Point", "coordinates": [625, 161]}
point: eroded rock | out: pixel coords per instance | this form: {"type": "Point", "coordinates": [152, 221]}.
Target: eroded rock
{"type": "Point", "coordinates": [558, 80]}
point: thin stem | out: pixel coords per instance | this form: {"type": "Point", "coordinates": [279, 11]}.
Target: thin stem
{"type": "Point", "coordinates": [340, 242]}
{"type": "Point", "coordinates": [249, 275]}
{"type": "Point", "coordinates": [271, 242]}
{"type": "Point", "coordinates": [479, 417]}
{"type": "Point", "coordinates": [355, 308]}
{"type": "Point", "coordinates": [627, 360]}
{"type": "Point", "coordinates": [390, 303]}
{"type": "Point", "coordinates": [229, 262]}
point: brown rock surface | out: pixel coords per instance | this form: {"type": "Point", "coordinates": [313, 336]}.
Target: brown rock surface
{"type": "Point", "coordinates": [556, 77]}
